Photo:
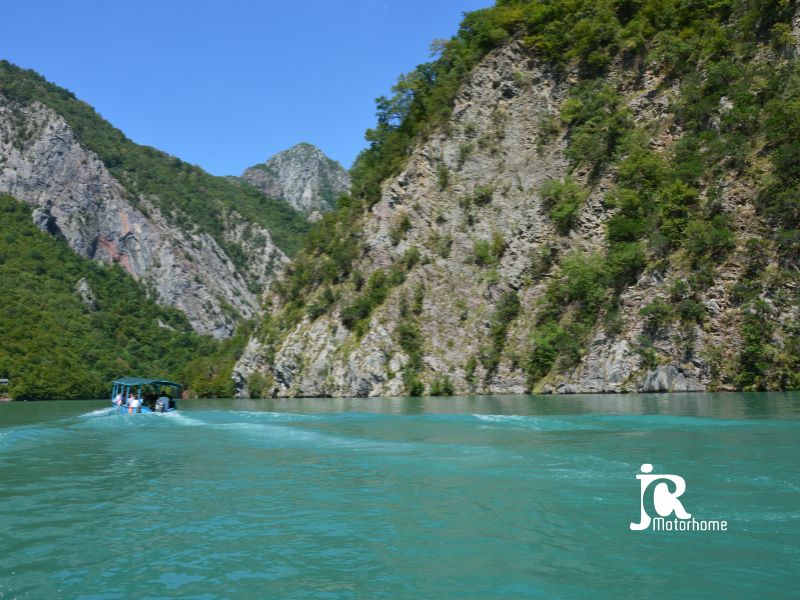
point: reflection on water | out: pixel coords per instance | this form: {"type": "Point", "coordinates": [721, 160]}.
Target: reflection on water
{"type": "Point", "coordinates": [773, 405]}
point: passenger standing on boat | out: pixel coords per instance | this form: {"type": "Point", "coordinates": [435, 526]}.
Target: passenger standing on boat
{"type": "Point", "coordinates": [133, 404]}
{"type": "Point", "coordinates": [118, 400]}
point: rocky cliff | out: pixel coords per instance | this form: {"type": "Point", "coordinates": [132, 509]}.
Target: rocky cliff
{"type": "Point", "coordinates": [214, 274]}
{"type": "Point", "coordinates": [541, 238]}
{"type": "Point", "coordinates": [76, 198]}
{"type": "Point", "coordinates": [302, 176]}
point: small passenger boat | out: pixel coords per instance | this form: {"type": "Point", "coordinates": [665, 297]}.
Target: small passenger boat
{"type": "Point", "coordinates": [139, 395]}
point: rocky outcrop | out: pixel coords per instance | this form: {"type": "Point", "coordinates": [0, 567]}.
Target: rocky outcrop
{"type": "Point", "coordinates": [74, 197]}
{"type": "Point", "coordinates": [86, 294]}
{"type": "Point", "coordinates": [302, 176]}
{"type": "Point", "coordinates": [493, 143]}
{"type": "Point", "coordinates": [473, 186]}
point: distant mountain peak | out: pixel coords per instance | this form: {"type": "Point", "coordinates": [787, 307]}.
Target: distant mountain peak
{"type": "Point", "coordinates": [303, 176]}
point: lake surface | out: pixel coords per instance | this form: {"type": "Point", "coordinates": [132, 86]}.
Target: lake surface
{"type": "Point", "coordinates": [477, 497]}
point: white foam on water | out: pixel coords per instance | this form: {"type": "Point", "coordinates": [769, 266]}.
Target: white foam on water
{"type": "Point", "coordinates": [100, 412]}
{"type": "Point", "coordinates": [537, 423]}
{"type": "Point", "coordinates": [182, 419]}
{"type": "Point", "coordinates": [279, 434]}
{"type": "Point", "coordinates": [272, 416]}
{"type": "Point", "coordinates": [497, 418]}
{"type": "Point", "coordinates": [264, 430]}
{"type": "Point", "coordinates": [509, 419]}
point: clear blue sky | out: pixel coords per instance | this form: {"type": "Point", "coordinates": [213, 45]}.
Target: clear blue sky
{"type": "Point", "coordinates": [226, 84]}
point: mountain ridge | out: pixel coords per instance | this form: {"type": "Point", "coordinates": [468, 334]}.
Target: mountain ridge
{"type": "Point", "coordinates": [303, 176]}
{"type": "Point", "coordinates": [201, 243]}
{"type": "Point", "coordinates": [571, 198]}
{"type": "Point", "coordinates": [554, 207]}
{"type": "Point", "coordinates": [69, 324]}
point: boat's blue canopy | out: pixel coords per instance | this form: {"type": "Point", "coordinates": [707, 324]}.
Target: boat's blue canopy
{"type": "Point", "coordinates": [139, 381]}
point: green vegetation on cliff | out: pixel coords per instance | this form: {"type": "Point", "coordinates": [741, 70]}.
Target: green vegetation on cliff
{"type": "Point", "coordinates": [188, 196]}
{"type": "Point", "coordinates": [59, 342]}
{"type": "Point", "coordinates": [734, 66]}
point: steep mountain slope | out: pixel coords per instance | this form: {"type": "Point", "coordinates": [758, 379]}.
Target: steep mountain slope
{"type": "Point", "coordinates": [69, 325]}
{"type": "Point", "coordinates": [200, 243]}
{"type": "Point", "coordinates": [302, 176]}
{"type": "Point", "coordinates": [576, 197]}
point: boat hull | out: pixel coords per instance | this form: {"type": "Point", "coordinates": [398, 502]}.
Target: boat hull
{"type": "Point", "coordinates": [123, 410]}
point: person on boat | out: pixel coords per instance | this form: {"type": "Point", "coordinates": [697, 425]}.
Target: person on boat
{"type": "Point", "coordinates": [133, 404]}
{"type": "Point", "coordinates": [118, 400]}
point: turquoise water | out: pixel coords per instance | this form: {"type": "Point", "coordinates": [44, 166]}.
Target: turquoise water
{"type": "Point", "coordinates": [516, 497]}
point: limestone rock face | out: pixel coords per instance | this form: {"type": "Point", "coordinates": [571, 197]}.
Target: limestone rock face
{"type": "Point", "coordinates": [302, 176]}
{"type": "Point", "coordinates": [74, 197]}
{"type": "Point", "coordinates": [86, 294]}
{"type": "Point", "coordinates": [492, 142]}
{"type": "Point", "coordinates": [478, 181]}
{"type": "Point", "coordinates": [668, 378]}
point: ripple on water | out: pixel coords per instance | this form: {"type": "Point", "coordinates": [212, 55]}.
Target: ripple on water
{"type": "Point", "coordinates": [236, 504]}
{"type": "Point", "coordinates": [537, 423]}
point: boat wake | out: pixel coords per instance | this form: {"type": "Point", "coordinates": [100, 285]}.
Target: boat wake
{"type": "Point", "coordinates": [537, 423]}
{"type": "Point", "coordinates": [182, 419]}
{"type": "Point", "coordinates": [100, 412]}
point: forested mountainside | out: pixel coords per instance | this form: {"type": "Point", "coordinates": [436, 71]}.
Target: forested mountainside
{"type": "Point", "coordinates": [576, 196]}
{"type": "Point", "coordinates": [68, 325]}
{"type": "Point", "coordinates": [203, 244]}
{"type": "Point", "coordinates": [302, 176]}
